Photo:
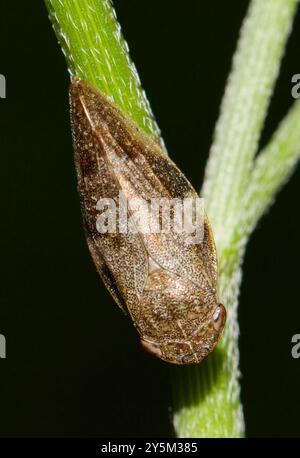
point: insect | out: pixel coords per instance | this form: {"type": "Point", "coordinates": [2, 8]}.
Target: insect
{"type": "Point", "coordinates": [166, 286]}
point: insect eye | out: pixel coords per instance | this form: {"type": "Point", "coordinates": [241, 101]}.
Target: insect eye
{"type": "Point", "coordinates": [219, 317]}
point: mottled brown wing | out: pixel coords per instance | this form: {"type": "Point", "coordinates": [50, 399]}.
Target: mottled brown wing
{"type": "Point", "coordinates": [198, 262]}
{"type": "Point", "coordinates": [140, 168]}
{"type": "Point", "coordinates": [105, 274]}
{"type": "Point", "coordinates": [120, 258]}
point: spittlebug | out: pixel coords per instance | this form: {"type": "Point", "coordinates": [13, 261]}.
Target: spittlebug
{"type": "Point", "coordinates": [167, 286]}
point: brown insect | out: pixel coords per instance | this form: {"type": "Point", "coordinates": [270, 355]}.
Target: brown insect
{"type": "Point", "coordinates": [166, 285]}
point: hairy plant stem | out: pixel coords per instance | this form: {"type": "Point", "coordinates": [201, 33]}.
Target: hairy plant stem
{"type": "Point", "coordinates": [91, 39]}
{"type": "Point", "coordinates": [237, 192]}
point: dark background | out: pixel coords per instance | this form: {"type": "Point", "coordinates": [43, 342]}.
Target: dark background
{"type": "Point", "coordinates": [74, 365]}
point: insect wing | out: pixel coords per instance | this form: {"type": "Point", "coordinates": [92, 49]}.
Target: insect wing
{"type": "Point", "coordinates": [120, 257]}
{"type": "Point", "coordinates": [112, 154]}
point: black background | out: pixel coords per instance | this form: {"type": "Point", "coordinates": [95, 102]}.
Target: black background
{"type": "Point", "coordinates": [74, 365]}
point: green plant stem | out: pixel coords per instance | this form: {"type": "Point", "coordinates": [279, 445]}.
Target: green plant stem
{"type": "Point", "coordinates": [271, 170]}
{"type": "Point", "coordinates": [250, 85]}
{"type": "Point", "coordinates": [237, 188]}
{"type": "Point", "coordinates": [217, 411]}
{"type": "Point", "coordinates": [96, 51]}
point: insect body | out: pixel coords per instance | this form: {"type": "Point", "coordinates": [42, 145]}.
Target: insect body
{"type": "Point", "coordinates": [166, 285]}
